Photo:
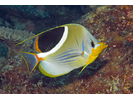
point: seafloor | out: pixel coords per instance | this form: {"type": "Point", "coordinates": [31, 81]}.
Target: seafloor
{"type": "Point", "coordinates": [111, 72]}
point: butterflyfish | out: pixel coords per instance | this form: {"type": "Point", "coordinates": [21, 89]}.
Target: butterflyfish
{"type": "Point", "coordinates": [63, 49]}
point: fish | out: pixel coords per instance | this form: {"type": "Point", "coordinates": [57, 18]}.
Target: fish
{"type": "Point", "coordinates": [62, 49]}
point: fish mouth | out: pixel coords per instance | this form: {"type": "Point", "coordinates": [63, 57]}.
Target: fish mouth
{"type": "Point", "coordinates": [103, 45]}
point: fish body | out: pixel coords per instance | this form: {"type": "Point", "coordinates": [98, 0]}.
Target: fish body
{"type": "Point", "coordinates": [63, 49]}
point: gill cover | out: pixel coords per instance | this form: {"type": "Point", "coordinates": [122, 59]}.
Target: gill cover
{"type": "Point", "coordinates": [95, 52]}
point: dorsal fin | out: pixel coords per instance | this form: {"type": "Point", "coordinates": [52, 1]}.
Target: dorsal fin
{"type": "Point", "coordinates": [36, 35]}
{"type": "Point", "coordinates": [48, 40]}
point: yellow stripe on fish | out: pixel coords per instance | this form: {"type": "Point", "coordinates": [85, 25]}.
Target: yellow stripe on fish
{"type": "Point", "coordinates": [63, 49]}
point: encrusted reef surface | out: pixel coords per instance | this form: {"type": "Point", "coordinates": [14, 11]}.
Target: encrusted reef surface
{"type": "Point", "coordinates": [8, 51]}
{"type": "Point", "coordinates": [11, 37]}
{"type": "Point", "coordinates": [111, 72]}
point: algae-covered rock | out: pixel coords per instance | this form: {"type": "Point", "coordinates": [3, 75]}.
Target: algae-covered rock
{"type": "Point", "coordinates": [11, 37]}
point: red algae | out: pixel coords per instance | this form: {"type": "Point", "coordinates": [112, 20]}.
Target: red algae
{"type": "Point", "coordinates": [110, 24]}
{"type": "Point", "coordinates": [113, 25]}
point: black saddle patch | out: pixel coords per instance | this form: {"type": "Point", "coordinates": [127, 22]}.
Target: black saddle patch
{"type": "Point", "coordinates": [50, 39]}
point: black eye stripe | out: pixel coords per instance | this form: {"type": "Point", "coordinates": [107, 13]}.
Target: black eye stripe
{"type": "Point", "coordinates": [92, 44]}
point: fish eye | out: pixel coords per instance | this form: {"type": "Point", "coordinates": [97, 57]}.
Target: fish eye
{"type": "Point", "coordinates": [92, 44]}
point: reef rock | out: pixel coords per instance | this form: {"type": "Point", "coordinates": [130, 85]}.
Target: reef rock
{"type": "Point", "coordinates": [111, 72]}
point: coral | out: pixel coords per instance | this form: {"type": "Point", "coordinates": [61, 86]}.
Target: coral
{"type": "Point", "coordinates": [8, 51]}
{"type": "Point", "coordinates": [11, 37]}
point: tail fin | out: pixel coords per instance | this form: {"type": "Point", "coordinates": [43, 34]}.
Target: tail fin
{"type": "Point", "coordinates": [30, 60]}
